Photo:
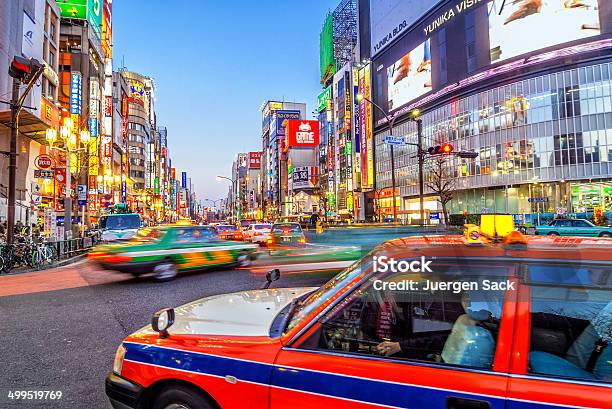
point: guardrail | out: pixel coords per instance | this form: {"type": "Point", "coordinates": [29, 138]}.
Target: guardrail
{"type": "Point", "coordinates": [73, 247]}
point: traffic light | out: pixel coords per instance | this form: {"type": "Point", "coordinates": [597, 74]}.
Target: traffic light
{"type": "Point", "coordinates": [24, 69]}
{"type": "Point", "coordinates": [445, 149]}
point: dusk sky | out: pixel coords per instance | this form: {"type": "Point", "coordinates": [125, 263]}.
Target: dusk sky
{"type": "Point", "coordinates": [214, 63]}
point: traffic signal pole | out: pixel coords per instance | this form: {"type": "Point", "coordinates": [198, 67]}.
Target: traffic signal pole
{"type": "Point", "coordinates": [16, 106]}
{"type": "Point", "coordinates": [421, 161]}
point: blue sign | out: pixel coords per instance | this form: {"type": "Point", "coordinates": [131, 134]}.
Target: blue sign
{"type": "Point", "coordinates": [184, 180]}
{"type": "Point", "coordinates": [281, 120]}
{"type": "Point", "coordinates": [123, 191]}
{"type": "Point", "coordinates": [93, 127]}
{"type": "Point", "coordinates": [395, 140]}
{"type": "Point", "coordinates": [538, 200]}
{"type": "Point", "coordinates": [434, 216]}
{"type": "Point", "coordinates": [82, 195]}
{"type": "Point", "coordinates": [76, 92]}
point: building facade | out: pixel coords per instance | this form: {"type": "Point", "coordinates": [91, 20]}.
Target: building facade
{"type": "Point", "coordinates": [537, 111]}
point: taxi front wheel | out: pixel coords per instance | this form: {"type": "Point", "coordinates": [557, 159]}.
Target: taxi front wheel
{"type": "Point", "coordinates": [179, 397]}
{"type": "Point", "coordinates": [243, 260]}
{"type": "Point", "coordinates": [165, 271]}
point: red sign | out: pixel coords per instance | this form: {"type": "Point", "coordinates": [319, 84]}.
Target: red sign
{"type": "Point", "coordinates": [302, 134]}
{"type": "Point", "coordinates": [108, 105]}
{"type": "Point", "coordinates": [254, 160]}
{"type": "Point", "coordinates": [43, 162]}
{"type": "Point", "coordinates": [92, 202]}
{"type": "Point", "coordinates": [107, 146]}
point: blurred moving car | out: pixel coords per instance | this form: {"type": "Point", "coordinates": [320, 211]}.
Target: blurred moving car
{"type": "Point", "coordinates": [229, 232]}
{"type": "Point", "coordinates": [164, 251]}
{"type": "Point", "coordinates": [257, 232]}
{"type": "Point", "coordinates": [475, 321]}
{"type": "Point", "coordinates": [285, 234]}
{"type": "Point", "coordinates": [118, 227]}
{"type": "Point", "coordinates": [243, 224]}
{"type": "Point", "coordinates": [573, 227]}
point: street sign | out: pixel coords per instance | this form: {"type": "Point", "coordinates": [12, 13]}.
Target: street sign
{"type": "Point", "coordinates": [395, 140]}
{"type": "Point", "coordinates": [43, 161]}
{"type": "Point", "coordinates": [43, 174]}
{"type": "Point", "coordinates": [82, 195]}
{"type": "Point", "coordinates": [537, 200]}
{"type": "Point", "coordinates": [434, 216]}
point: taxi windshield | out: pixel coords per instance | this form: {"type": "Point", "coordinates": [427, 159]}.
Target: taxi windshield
{"type": "Point", "coordinates": [120, 222]}
{"type": "Point", "coordinates": [326, 291]}
{"type": "Point", "coordinates": [147, 235]}
{"type": "Point", "coordinates": [226, 228]}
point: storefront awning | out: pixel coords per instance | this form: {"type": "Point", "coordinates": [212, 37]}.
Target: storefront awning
{"type": "Point", "coordinates": [29, 125]}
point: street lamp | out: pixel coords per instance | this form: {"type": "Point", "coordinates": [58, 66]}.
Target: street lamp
{"type": "Point", "coordinates": [414, 116]}
{"type": "Point", "coordinates": [232, 181]}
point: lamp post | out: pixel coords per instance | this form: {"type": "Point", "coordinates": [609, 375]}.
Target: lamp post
{"type": "Point", "coordinates": [214, 202]}
{"type": "Point", "coordinates": [420, 153]}
{"type": "Point", "coordinates": [233, 182]}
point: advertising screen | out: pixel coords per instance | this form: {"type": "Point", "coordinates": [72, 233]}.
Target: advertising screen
{"type": "Point", "coordinates": [523, 26]}
{"type": "Point", "coordinates": [409, 77]}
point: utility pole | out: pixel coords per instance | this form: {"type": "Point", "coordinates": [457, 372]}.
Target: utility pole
{"type": "Point", "coordinates": [26, 71]}
{"type": "Point", "coordinates": [421, 160]}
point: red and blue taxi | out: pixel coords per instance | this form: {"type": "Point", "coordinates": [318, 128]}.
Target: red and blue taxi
{"type": "Point", "coordinates": [420, 322]}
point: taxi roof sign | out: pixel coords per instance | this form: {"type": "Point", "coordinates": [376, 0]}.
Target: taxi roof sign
{"type": "Point", "coordinates": [496, 225]}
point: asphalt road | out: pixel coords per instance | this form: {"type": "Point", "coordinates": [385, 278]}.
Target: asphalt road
{"type": "Point", "coordinates": [65, 339]}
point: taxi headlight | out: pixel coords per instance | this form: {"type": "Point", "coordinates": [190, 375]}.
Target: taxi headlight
{"type": "Point", "coordinates": [118, 362]}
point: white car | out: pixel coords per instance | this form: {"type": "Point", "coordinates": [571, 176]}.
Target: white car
{"type": "Point", "coordinates": [257, 232]}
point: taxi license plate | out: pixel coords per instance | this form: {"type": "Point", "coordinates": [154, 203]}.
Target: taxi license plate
{"type": "Point", "coordinates": [286, 238]}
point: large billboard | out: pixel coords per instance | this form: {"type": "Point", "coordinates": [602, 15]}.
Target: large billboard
{"type": "Point", "coordinates": [254, 160]}
{"type": "Point", "coordinates": [523, 26]}
{"type": "Point", "coordinates": [409, 77]}
{"type": "Point", "coordinates": [281, 118]}
{"type": "Point", "coordinates": [390, 18]}
{"type": "Point", "coordinates": [302, 133]}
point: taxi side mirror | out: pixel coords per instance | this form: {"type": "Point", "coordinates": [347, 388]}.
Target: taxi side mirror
{"type": "Point", "coordinates": [162, 320]}
{"type": "Point", "coordinates": [271, 275]}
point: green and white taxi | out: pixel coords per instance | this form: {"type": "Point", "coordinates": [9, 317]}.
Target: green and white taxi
{"type": "Point", "coordinates": [164, 251]}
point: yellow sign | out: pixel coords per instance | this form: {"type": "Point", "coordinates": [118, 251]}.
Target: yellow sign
{"type": "Point", "coordinates": [76, 119]}
{"type": "Point", "coordinates": [93, 165]}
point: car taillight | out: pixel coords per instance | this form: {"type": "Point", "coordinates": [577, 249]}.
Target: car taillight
{"type": "Point", "coordinates": [269, 239]}
{"type": "Point", "coordinates": [119, 258]}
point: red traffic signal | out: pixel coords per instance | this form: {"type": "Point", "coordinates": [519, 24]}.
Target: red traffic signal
{"type": "Point", "coordinates": [447, 148]}
{"type": "Point", "coordinates": [24, 69]}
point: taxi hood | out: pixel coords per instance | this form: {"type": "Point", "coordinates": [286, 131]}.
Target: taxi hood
{"type": "Point", "coordinates": [246, 313]}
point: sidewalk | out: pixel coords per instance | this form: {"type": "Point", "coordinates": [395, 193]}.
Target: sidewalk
{"type": "Point", "coordinates": [60, 263]}
{"type": "Point", "coordinates": [79, 273]}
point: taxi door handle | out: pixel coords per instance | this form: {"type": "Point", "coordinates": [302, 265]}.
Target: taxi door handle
{"type": "Point", "coordinates": [453, 402]}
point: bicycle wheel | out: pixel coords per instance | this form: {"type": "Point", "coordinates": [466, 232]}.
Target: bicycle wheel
{"type": "Point", "coordinates": [34, 260]}
{"type": "Point", "coordinates": [9, 259]}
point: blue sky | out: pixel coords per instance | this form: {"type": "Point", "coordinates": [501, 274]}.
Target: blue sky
{"type": "Point", "coordinates": [214, 63]}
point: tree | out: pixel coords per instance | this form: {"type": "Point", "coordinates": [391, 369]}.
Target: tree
{"type": "Point", "coordinates": [321, 193]}
{"type": "Point", "coordinates": [441, 183]}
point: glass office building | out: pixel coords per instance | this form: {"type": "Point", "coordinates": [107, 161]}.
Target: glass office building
{"type": "Point", "coordinates": [534, 101]}
{"type": "Point", "coordinates": [544, 143]}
